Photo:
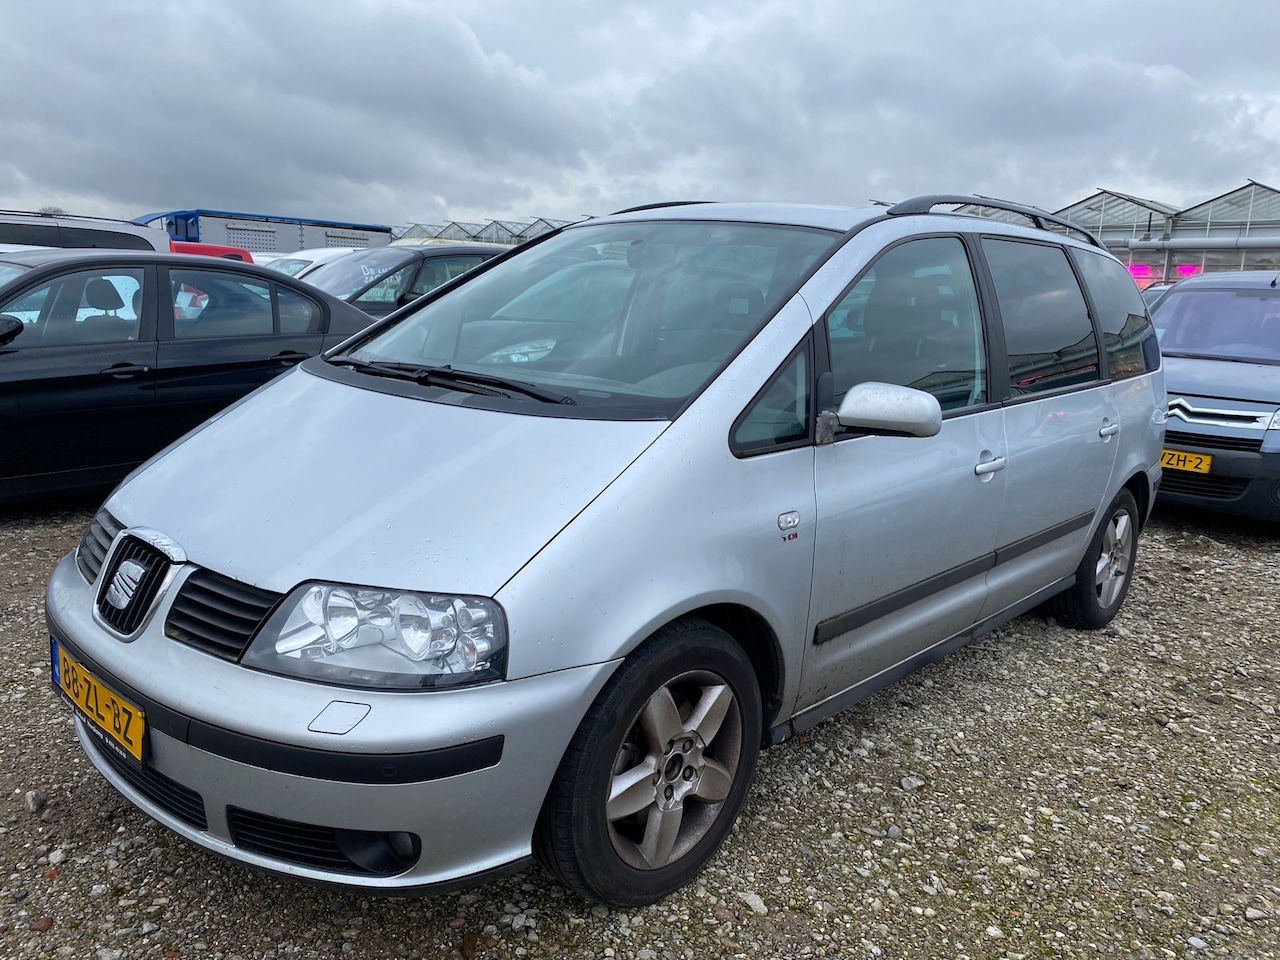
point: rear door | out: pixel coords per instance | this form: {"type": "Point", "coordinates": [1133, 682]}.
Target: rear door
{"type": "Point", "coordinates": [1060, 418]}
{"type": "Point", "coordinates": [223, 334]}
{"type": "Point", "coordinates": [78, 384]}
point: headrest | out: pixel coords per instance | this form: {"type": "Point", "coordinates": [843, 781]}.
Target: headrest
{"type": "Point", "coordinates": [102, 295]}
{"type": "Point", "coordinates": [648, 255]}
{"type": "Point", "coordinates": [743, 300]}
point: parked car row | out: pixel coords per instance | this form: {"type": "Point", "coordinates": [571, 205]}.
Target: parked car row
{"type": "Point", "coordinates": [763, 459]}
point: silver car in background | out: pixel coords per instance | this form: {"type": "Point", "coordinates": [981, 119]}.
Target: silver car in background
{"type": "Point", "coordinates": [539, 563]}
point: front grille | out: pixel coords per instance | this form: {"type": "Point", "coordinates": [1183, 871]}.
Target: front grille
{"type": "Point", "coordinates": [1245, 444]}
{"type": "Point", "coordinates": [217, 615]}
{"type": "Point", "coordinates": [183, 802]}
{"type": "Point", "coordinates": [316, 846]}
{"type": "Point", "coordinates": [1203, 485]}
{"type": "Point", "coordinates": [119, 584]}
{"type": "Point", "coordinates": [95, 543]}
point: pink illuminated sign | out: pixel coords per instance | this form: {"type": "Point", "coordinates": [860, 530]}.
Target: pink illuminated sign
{"type": "Point", "coordinates": [1187, 269]}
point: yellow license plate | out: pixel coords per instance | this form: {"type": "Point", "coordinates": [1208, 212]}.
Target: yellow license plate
{"type": "Point", "coordinates": [1181, 460]}
{"type": "Point", "coordinates": [109, 712]}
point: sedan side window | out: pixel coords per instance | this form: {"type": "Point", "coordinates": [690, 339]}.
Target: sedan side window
{"type": "Point", "coordinates": [211, 303]}
{"type": "Point", "coordinates": [912, 319]}
{"type": "Point", "coordinates": [89, 306]}
{"type": "Point", "coordinates": [297, 313]}
{"type": "Point", "coordinates": [1047, 330]}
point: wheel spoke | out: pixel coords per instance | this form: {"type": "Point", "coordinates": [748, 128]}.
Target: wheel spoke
{"type": "Point", "coordinates": [714, 784]}
{"type": "Point", "coordinates": [661, 720]}
{"type": "Point", "coordinates": [1122, 533]}
{"type": "Point", "coordinates": [713, 705]}
{"type": "Point", "coordinates": [1100, 569]}
{"type": "Point", "coordinates": [660, 835]}
{"type": "Point", "coordinates": [631, 791]}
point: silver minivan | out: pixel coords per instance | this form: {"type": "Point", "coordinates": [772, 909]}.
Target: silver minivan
{"type": "Point", "coordinates": [538, 564]}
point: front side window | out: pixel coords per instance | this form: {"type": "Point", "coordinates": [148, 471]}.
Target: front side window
{"type": "Point", "coordinates": [440, 270]}
{"type": "Point", "coordinates": [624, 320]}
{"type": "Point", "coordinates": [212, 303]}
{"type": "Point", "coordinates": [1241, 324]}
{"type": "Point", "coordinates": [1047, 330]}
{"type": "Point", "coordinates": [1127, 335]}
{"type": "Point", "coordinates": [88, 306]}
{"type": "Point", "coordinates": [912, 319]}
{"type": "Point", "coordinates": [389, 288]}
{"type": "Point", "coordinates": [779, 416]}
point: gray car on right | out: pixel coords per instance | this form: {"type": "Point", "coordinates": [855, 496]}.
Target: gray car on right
{"type": "Point", "coordinates": [1220, 336]}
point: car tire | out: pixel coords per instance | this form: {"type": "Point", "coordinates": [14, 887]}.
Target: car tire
{"type": "Point", "coordinates": [1104, 575]}
{"type": "Point", "coordinates": [657, 771]}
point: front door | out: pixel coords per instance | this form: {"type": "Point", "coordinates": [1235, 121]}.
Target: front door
{"type": "Point", "coordinates": [78, 383]}
{"type": "Point", "coordinates": [906, 526]}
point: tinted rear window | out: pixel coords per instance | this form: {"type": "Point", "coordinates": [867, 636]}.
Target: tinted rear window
{"type": "Point", "coordinates": [1047, 330]}
{"type": "Point", "coordinates": [1127, 334]}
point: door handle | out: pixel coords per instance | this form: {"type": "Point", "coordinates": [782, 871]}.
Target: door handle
{"type": "Point", "coordinates": [993, 465]}
{"type": "Point", "coordinates": [124, 371]}
{"type": "Point", "coordinates": [289, 357]}
{"type": "Point", "coordinates": [1109, 430]}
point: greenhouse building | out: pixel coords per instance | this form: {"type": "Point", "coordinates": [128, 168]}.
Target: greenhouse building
{"type": "Point", "coordinates": [1239, 230]}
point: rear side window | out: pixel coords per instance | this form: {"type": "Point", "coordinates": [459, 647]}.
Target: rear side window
{"type": "Point", "coordinates": [1047, 331]}
{"type": "Point", "coordinates": [108, 239]}
{"type": "Point", "coordinates": [1127, 334]}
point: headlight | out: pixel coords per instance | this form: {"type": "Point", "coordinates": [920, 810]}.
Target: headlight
{"type": "Point", "coordinates": [389, 639]}
{"type": "Point", "coordinates": [1275, 421]}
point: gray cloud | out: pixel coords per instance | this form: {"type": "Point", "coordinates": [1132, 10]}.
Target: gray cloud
{"type": "Point", "coordinates": [396, 110]}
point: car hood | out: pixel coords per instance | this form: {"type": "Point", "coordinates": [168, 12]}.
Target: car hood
{"type": "Point", "coordinates": [310, 479]}
{"type": "Point", "coordinates": [1256, 382]}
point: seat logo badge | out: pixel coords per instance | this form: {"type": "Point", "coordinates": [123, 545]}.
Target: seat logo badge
{"type": "Point", "coordinates": [125, 584]}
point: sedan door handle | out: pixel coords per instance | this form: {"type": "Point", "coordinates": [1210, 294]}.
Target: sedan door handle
{"type": "Point", "coordinates": [289, 357]}
{"type": "Point", "coordinates": [989, 466]}
{"type": "Point", "coordinates": [123, 371]}
{"type": "Point", "coordinates": [1109, 430]}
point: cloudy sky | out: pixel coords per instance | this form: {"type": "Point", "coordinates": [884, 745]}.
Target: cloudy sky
{"type": "Point", "coordinates": [396, 111]}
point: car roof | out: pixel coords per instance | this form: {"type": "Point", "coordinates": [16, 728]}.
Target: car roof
{"type": "Point", "coordinates": [843, 219]}
{"type": "Point", "coordinates": [48, 256]}
{"type": "Point", "coordinates": [1231, 279]}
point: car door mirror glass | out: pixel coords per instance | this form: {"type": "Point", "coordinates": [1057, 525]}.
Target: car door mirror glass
{"type": "Point", "coordinates": [889, 408]}
{"type": "Point", "coordinates": [10, 327]}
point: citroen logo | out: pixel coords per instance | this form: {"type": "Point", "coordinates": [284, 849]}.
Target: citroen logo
{"type": "Point", "coordinates": [125, 583]}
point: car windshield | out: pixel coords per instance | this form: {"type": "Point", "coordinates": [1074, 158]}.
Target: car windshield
{"type": "Point", "coordinates": [1229, 324]}
{"type": "Point", "coordinates": [9, 271]}
{"type": "Point", "coordinates": [632, 317]}
{"type": "Point", "coordinates": [350, 274]}
{"type": "Point", "coordinates": [288, 265]}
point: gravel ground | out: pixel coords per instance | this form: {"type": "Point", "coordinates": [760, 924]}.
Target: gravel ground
{"type": "Point", "coordinates": [1042, 793]}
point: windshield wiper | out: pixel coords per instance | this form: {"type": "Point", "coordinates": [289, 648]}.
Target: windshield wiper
{"type": "Point", "coordinates": [424, 376]}
{"type": "Point", "coordinates": [446, 376]}
{"type": "Point", "coordinates": [501, 383]}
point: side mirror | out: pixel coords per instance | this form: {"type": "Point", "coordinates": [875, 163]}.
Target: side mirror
{"type": "Point", "coordinates": [10, 327]}
{"type": "Point", "coordinates": [407, 298]}
{"type": "Point", "coordinates": [889, 408]}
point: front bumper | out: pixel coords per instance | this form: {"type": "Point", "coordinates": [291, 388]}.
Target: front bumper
{"type": "Point", "coordinates": [232, 766]}
{"type": "Point", "coordinates": [1238, 482]}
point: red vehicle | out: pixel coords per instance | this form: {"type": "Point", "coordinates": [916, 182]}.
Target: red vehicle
{"type": "Point", "coordinates": [211, 250]}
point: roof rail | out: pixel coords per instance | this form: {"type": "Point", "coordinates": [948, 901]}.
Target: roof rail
{"type": "Point", "coordinates": [658, 206]}
{"type": "Point", "coordinates": [925, 204]}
